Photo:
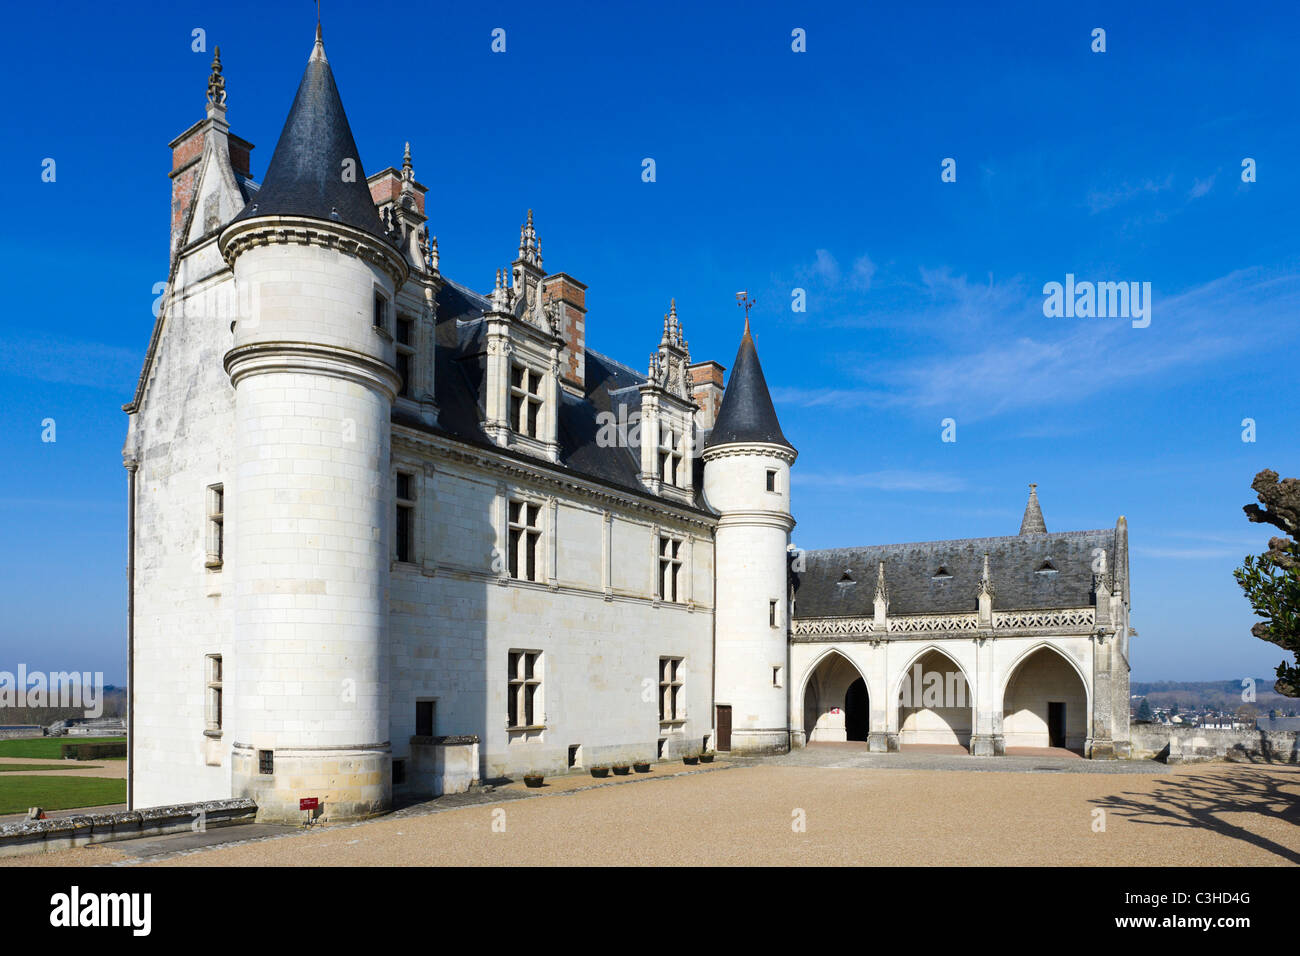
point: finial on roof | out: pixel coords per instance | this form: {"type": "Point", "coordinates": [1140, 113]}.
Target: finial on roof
{"type": "Point", "coordinates": [1033, 521]}
{"type": "Point", "coordinates": [530, 247]}
{"type": "Point", "coordinates": [745, 302]}
{"type": "Point", "coordinates": [217, 82]}
{"type": "Point", "coordinates": [318, 51]}
{"type": "Point", "coordinates": [882, 591]}
{"type": "Point", "coordinates": [986, 581]}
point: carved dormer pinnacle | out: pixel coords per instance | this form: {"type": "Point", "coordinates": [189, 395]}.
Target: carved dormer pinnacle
{"type": "Point", "coordinates": [986, 582]}
{"type": "Point", "coordinates": [216, 83]}
{"type": "Point", "coordinates": [500, 297]}
{"type": "Point", "coordinates": [882, 589]}
{"type": "Point", "coordinates": [530, 247]}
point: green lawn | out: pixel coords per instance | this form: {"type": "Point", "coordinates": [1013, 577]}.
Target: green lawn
{"type": "Point", "coordinates": [29, 767]}
{"type": "Point", "coordinates": [49, 748]}
{"type": "Point", "coordinates": [58, 793]}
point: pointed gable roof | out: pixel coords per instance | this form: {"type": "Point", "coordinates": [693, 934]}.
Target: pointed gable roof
{"type": "Point", "coordinates": [746, 414]}
{"type": "Point", "coordinates": [1033, 522]}
{"type": "Point", "coordinates": [305, 176]}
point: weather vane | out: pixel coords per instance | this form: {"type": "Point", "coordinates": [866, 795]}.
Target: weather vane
{"type": "Point", "coordinates": [745, 302]}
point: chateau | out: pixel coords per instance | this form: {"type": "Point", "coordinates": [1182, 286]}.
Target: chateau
{"type": "Point", "coordinates": [390, 534]}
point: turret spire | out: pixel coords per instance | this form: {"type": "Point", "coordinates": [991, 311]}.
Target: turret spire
{"type": "Point", "coordinates": [747, 414]}
{"type": "Point", "coordinates": [1033, 521]}
{"type": "Point", "coordinates": [315, 171]}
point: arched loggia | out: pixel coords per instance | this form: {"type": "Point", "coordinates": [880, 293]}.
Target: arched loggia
{"type": "Point", "coordinates": [1045, 703]}
{"type": "Point", "coordinates": [936, 703]}
{"type": "Point", "coordinates": [835, 702]}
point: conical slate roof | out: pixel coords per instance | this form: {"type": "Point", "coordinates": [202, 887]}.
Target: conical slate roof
{"type": "Point", "coordinates": [746, 414]}
{"type": "Point", "coordinates": [1033, 522]}
{"type": "Point", "coordinates": [306, 176]}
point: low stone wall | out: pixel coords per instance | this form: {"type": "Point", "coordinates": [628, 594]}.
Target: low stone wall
{"type": "Point", "coordinates": [62, 833]}
{"type": "Point", "coordinates": [1196, 744]}
{"type": "Point", "coordinates": [441, 765]}
{"type": "Point", "coordinates": [15, 730]}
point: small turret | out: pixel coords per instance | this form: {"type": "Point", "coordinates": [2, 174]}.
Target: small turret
{"type": "Point", "coordinates": [312, 217]}
{"type": "Point", "coordinates": [747, 481]}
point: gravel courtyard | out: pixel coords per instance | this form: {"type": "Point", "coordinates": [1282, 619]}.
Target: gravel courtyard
{"type": "Point", "coordinates": [751, 813]}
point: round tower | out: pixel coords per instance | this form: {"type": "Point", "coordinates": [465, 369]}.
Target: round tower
{"type": "Point", "coordinates": [747, 481]}
{"type": "Point", "coordinates": [312, 365]}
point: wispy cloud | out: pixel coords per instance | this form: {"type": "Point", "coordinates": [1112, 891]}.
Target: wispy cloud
{"type": "Point", "coordinates": [1099, 200]}
{"type": "Point", "coordinates": [975, 369]}
{"type": "Point", "coordinates": [1189, 554]}
{"type": "Point", "coordinates": [1201, 186]}
{"type": "Point", "coordinates": [892, 480]}
{"type": "Point", "coordinates": [70, 362]}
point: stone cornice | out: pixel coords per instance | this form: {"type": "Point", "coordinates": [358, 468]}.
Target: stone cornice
{"type": "Point", "coordinates": [245, 234]}
{"type": "Point", "coordinates": [260, 357]}
{"type": "Point", "coordinates": [767, 450]}
{"type": "Point", "coordinates": [537, 471]}
{"type": "Point", "coordinates": [1077, 622]}
{"type": "Point", "coordinates": [770, 519]}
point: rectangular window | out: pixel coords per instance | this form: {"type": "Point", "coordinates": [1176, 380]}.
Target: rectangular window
{"type": "Point", "coordinates": [771, 479]}
{"type": "Point", "coordinates": [771, 614]}
{"type": "Point", "coordinates": [380, 318]}
{"type": "Point", "coordinates": [525, 540]}
{"type": "Point", "coordinates": [671, 702]}
{"type": "Point", "coordinates": [213, 662]}
{"type": "Point", "coordinates": [424, 712]}
{"type": "Point", "coordinates": [776, 676]}
{"type": "Point", "coordinates": [266, 762]}
{"type": "Point", "coordinates": [525, 401]}
{"type": "Point", "coordinates": [404, 535]}
{"type": "Point", "coordinates": [405, 352]}
{"type": "Point", "coordinates": [670, 569]}
{"type": "Point", "coordinates": [670, 456]}
{"type": "Point", "coordinates": [575, 756]}
{"type": "Point", "coordinates": [523, 707]}
{"type": "Point", "coordinates": [216, 526]}
{"type": "Point", "coordinates": [399, 772]}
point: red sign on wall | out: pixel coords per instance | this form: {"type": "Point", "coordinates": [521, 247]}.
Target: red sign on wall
{"type": "Point", "coordinates": [309, 803]}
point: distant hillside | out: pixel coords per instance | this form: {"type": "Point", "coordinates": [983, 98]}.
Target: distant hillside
{"type": "Point", "coordinates": [114, 705]}
{"type": "Point", "coordinates": [1224, 695]}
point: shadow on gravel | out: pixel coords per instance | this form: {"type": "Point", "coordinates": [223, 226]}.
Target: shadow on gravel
{"type": "Point", "coordinates": [1201, 800]}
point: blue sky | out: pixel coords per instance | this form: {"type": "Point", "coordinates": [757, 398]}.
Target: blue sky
{"type": "Point", "coordinates": [775, 171]}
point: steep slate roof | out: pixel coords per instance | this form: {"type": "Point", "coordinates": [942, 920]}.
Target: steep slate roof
{"type": "Point", "coordinates": [305, 176]}
{"type": "Point", "coordinates": [746, 414]}
{"type": "Point", "coordinates": [460, 390]}
{"type": "Point", "coordinates": [1016, 568]}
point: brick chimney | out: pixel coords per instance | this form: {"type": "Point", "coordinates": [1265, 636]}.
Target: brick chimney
{"type": "Point", "coordinates": [570, 297]}
{"type": "Point", "coordinates": [386, 186]}
{"type": "Point", "coordinates": [187, 150]}
{"type": "Point", "coordinates": [187, 153]}
{"type": "Point", "coordinates": [706, 389]}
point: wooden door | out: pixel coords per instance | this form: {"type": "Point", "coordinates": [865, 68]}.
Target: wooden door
{"type": "Point", "coordinates": [724, 727]}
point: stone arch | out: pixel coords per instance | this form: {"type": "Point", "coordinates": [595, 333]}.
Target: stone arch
{"type": "Point", "coordinates": [1043, 675]}
{"type": "Point", "coordinates": [826, 693]}
{"type": "Point", "coordinates": [935, 704]}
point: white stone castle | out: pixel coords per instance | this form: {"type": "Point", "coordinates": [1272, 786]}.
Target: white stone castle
{"type": "Point", "coordinates": [389, 535]}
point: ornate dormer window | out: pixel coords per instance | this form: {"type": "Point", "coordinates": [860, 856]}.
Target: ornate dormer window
{"type": "Point", "coordinates": [523, 356]}
{"type": "Point", "coordinates": [525, 400]}
{"type": "Point", "coordinates": [670, 455]}
{"type": "Point", "coordinates": [668, 416]}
